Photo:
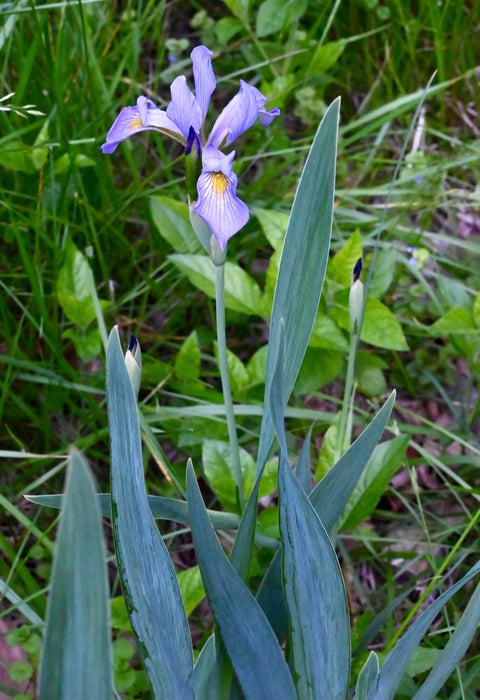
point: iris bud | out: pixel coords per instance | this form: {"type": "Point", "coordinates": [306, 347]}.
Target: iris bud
{"type": "Point", "coordinates": [133, 363]}
{"type": "Point", "coordinates": [356, 297]}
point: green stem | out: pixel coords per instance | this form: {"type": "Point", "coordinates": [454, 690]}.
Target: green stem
{"type": "Point", "coordinates": [223, 366]}
{"type": "Point", "coordinates": [347, 395]}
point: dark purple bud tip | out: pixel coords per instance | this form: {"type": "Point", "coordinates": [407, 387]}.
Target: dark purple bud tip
{"type": "Point", "coordinates": [193, 143]}
{"type": "Point", "coordinates": [357, 270]}
{"type": "Point", "coordinates": [132, 344]}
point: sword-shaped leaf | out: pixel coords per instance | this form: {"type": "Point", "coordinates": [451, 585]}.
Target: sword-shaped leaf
{"type": "Point", "coordinates": [77, 655]}
{"type": "Point", "coordinates": [151, 590]}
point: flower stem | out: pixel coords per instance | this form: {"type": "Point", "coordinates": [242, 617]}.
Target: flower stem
{"type": "Point", "coordinates": [347, 396]}
{"type": "Point", "coordinates": [227, 392]}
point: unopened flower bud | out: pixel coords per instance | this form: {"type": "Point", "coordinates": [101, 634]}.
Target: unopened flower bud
{"type": "Point", "coordinates": [133, 363]}
{"type": "Point", "coordinates": [356, 297]}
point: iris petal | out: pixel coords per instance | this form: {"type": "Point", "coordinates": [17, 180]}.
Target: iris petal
{"type": "Point", "coordinates": [218, 204]}
{"type": "Point", "coordinates": [184, 109]}
{"type": "Point", "coordinates": [131, 120]}
{"type": "Point", "coordinates": [239, 115]}
{"type": "Point", "coordinates": [203, 76]}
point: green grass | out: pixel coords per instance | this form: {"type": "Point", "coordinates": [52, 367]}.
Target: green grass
{"type": "Point", "coordinates": [79, 63]}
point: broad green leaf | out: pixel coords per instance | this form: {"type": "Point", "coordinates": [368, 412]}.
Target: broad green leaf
{"type": "Point", "coordinates": [66, 162]}
{"type": "Point", "coordinates": [218, 464]}
{"type": "Point", "coordinates": [242, 293]}
{"type": "Point", "coordinates": [326, 55]}
{"type": "Point", "coordinates": [238, 373]}
{"type": "Point", "coordinates": [250, 641]}
{"type": "Point", "coordinates": [328, 450]}
{"type": "Point", "coordinates": [149, 583]}
{"type": "Point", "coordinates": [226, 28]}
{"type": "Point", "coordinates": [454, 650]}
{"type": "Point", "coordinates": [74, 287]}
{"type": "Point", "coordinates": [340, 267]}
{"type": "Point", "coordinates": [319, 367]}
{"type": "Point", "coordinates": [371, 381]}
{"type": "Point", "coordinates": [77, 659]}
{"type": "Point", "coordinates": [452, 293]}
{"type": "Point", "coordinates": [16, 156]}
{"type": "Point", "coordinates": [172, 221]}
{"type": "Point", "coordinates": [315, 596]}
{"type": "Point", "coordinates": [39, 152]}
{"type": "Point", "coordinates": [270, 17]}
{"type": "Point", "coordinates": [88, 345]}
{"type": "Point", "coordinates": [381, 328]}
{"type": "Point", "coordinates": [239, 8]}
{"type": "Point", "coordinates": [187, 362]}
{"type": "Point", "coordinates": [383, 273]}
{"type": "Point", "coordinates": [326, 334]}
{"type": "Point", "coordinates": [385, 461]}
{"type": "Point", "coordinates": [457, 321]}
{"type": "Point", "coordinates": [191, 587]}
{"type": "Point", "coordinates": [396, 662]}
{"type": "Point", "coordinates": [257, 366]}
{"type": "Point", "coordinates": [274, 224]}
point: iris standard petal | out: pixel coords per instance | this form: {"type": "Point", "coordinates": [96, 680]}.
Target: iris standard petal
{"type": "Point", "coordinates": [131, 120]}
{"type": "Point", "coordinates": [239, 115]}
{"type": "Point", "coordinates": [267, 117]}
{"type": "Point", "coordinates": [218, 204]}
{"type": "Point", "coordinates": [184, 109]}
{"type": "Point", "coordinates": [203, 77]}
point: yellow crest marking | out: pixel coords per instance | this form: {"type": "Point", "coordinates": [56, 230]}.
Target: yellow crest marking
{"type": "Point", "coordinates": [136, 124]}
{"type": "Point", "coordinates": [219, 183]}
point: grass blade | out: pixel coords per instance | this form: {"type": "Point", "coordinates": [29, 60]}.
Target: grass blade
{"type": "Point", "coordinates": [453, 651]}
{"type": "Point", "coordinates": [396, 662]}
{"type": "Point", "coordinates": [77, 659]}
{"type": "Point", "coordinates": [315, 596]}
{"type": "Point", "coordinates": [148, 579]}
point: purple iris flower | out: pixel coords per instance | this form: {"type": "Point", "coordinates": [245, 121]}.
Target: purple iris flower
{"type": "Point", "coordinates": [183, 120]}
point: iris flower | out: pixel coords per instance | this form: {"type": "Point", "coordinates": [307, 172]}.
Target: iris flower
{"type": "Point", "coordinates": [183, 120]}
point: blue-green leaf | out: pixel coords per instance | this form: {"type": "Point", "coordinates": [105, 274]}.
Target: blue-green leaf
{"type": "Point", "coordinates": [366, 677]}
{"type": "Point", "coordinates": [315, 596]}
{"type": "Point", "coordinates": [148, 579]}
{"type": "Point", "coordinates": [303, 263]}
{"type": "Point", "coordinates": [162, 509]}
{"type": "Point", "coordinates": [77, 658]}
{"type": "Point", "coordinates": [332, 494]}
{"type": "Point", "coordinates": [250, 641]}
{"type": "Point", "coordinates": [328, 499]}
{"type": "Point", "coordinates": [297, 294]}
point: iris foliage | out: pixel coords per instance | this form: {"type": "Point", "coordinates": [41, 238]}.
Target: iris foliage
{"type": "Point", "coordinates": [116, 240]}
